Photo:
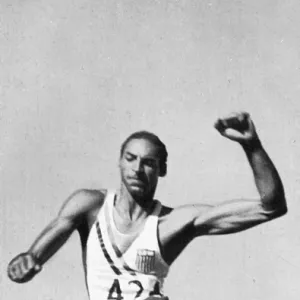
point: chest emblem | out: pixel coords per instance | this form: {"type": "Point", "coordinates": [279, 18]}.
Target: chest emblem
{"type": "Point", "coordinates": [145, 260]}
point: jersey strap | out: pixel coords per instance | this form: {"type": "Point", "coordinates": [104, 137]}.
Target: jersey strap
{"type": "Point", "coordinates": [104, 250]}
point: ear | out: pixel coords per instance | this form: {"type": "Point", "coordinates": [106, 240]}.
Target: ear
{"type": "Point", "coordinates": [163, 170]}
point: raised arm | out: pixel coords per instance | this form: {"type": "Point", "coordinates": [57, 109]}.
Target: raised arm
{"type": "Point", "coordinates": [237, 215]}
{"type": "Point", "coordinates": [72, 214]}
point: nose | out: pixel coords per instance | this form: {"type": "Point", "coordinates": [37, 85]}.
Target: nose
{"type": "Point", "coordinates": [137, 165]}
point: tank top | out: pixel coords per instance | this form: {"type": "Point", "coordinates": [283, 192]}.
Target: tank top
{"type": "Point", "coordinates": [137, 273]}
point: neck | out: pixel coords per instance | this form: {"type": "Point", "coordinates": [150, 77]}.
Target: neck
{"type": "Point", "coordinates": [133, 207]}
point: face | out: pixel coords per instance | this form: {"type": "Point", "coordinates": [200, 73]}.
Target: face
{"type": "Point", "coordinates": [139, 167]}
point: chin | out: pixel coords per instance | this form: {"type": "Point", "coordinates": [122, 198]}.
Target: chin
{"type": "Point", "coordinates": [137, 191]}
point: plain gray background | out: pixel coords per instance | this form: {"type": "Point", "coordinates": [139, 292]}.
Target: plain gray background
{"type": "Point", "coordinates": [77, 77]}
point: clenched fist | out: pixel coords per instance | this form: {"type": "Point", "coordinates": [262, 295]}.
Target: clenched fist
{"type": "Point", "coordinates": [238, 127]}
{"type": "Point", "coordinates": [23, 268]}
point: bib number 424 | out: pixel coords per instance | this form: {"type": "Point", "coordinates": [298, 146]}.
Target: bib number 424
{"type": "Point", "coordinates": [115, 292]}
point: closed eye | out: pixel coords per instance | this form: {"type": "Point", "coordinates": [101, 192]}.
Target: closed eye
{"type": "Point", "coordinates": [150, 163]}
{"type": "Point", "coordinates": [130, 157]}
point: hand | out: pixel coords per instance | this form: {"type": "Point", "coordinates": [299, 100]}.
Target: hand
{"type": "Point", "coordinates": [23, 268]}
{"type": "Point", "coordinates": [237, 127]}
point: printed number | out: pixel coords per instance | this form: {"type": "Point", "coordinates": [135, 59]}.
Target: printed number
{"type": "Point", "coordinates": [115, 292]}
{"type": "Point", "coordinates": [139, 285]}
{"type": "Point", "coordinates": [156, 290]}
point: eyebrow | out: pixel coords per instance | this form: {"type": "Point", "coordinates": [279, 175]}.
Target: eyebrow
{"type": "Point", "coordinates": [129, 153]}
{"type": "Point", "coordinates": [144, 158]}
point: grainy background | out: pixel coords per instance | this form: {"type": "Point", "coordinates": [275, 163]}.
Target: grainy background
{"type": "Point", "coordinates": [77, 77]}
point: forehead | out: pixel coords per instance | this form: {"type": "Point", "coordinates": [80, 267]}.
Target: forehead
{"type": "Point", "coordinates": [141, 147]}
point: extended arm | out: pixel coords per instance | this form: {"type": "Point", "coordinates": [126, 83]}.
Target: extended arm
{"type": "Point", "coordinates": [234, 216]}
{"type": "Point", "coordinates": [24, 266]}
{"type": "Point", "coordinates": [181, 225]}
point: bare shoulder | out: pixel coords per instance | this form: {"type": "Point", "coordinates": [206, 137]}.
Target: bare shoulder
{"type": "Point", "coordinates": [82, 202]}
{"type": "Point", "coordinates": [173, 222]}
{"type": "Point", "coordinates": [176, 228]}
{"type": "Point", "coordinates": [182, 214]}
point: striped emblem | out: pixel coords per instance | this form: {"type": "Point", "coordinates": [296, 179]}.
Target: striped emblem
{"type": "Point", "coordinates": [145, 260]}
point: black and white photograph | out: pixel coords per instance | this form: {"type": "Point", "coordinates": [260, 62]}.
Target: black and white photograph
{"type": "Point", "coordinates": [150, 150]}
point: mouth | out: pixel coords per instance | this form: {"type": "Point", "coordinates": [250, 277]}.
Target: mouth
{"type": "Point", "coordinates": [136, 181]}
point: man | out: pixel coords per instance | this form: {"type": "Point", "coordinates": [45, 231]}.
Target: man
{"type": "Point", "coordinates": [129, 240]}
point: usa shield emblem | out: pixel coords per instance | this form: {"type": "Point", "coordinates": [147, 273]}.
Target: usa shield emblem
{"type": "Point", "coordinates": [145, 260]}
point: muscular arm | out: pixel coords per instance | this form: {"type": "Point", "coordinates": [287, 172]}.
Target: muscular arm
{"type": "Point", "coordinates": [183, 224]}
{"type": "Point", "coordinates": [69, 218]}
{"type": "Point", "coordinates": [72, 214]}
{"type": "Point", "coordinates": [237, 215]}
{"type": "Point", "coordinates": [234, 216]}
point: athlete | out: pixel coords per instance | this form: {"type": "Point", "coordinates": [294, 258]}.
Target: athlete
{"type": "Point", "coordinates": [129, 239]}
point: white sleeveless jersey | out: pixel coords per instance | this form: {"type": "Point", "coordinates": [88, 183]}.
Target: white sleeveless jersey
{"type": "Point", "coordinates": [137, 273]}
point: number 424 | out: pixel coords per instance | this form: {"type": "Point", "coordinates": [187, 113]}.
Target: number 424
{"type": "Point", "coordinates": [115, 292]}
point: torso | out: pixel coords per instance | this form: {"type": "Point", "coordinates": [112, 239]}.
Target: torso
{"type": "Point", "coordinates": [174, 232]}
{"type": "Point", "coordinates": [115, 268]}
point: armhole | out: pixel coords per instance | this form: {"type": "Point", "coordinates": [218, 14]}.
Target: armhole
{"type": "Point", "coordinates": [165, 210]}
{"type": "Point", "coordinates": [106, 193]}
{"type": "Point", "coordinates": [162, 211]}
{"type": "Point", "coordinates": [85, 230]}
